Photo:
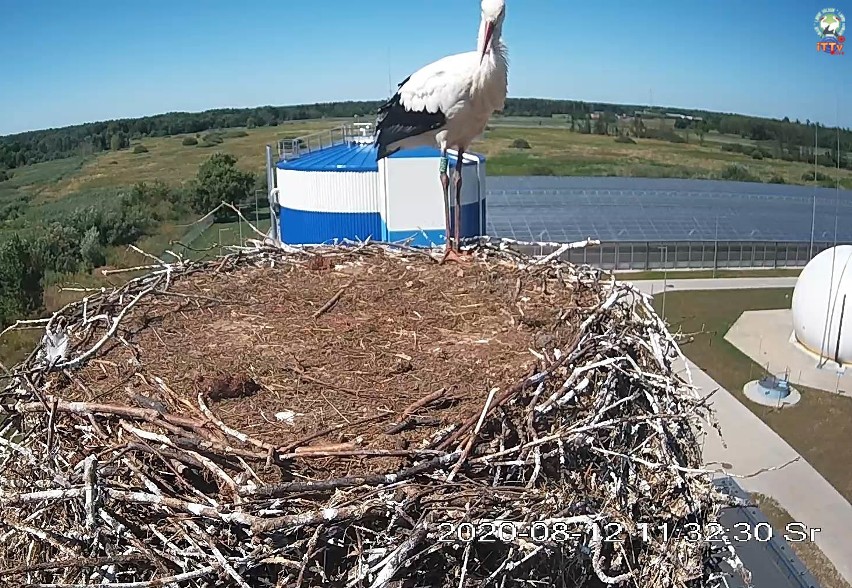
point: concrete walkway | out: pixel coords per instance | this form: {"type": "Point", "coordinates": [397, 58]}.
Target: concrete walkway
{"type": "Point", "coordinates": [753, 446]}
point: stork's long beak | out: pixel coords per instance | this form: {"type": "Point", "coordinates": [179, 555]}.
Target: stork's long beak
{"type": "Point", "coordinates": [489, 31]}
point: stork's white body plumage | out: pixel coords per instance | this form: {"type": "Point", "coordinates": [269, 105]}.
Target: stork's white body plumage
{"type": "Point", "coordinates": [448, 103]}
{"type": "Point", "coordinates": [461, 88]}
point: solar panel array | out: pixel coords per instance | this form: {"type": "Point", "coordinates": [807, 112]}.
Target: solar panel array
{"type": "Point", "coordinates": [641, 209]}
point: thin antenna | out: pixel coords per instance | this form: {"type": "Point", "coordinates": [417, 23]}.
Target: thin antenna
{"type": "Point", "coordinates": [816, 152]}
{"type": "Point", "coordinates": [838, 157]}
{"type": "Point", "coordinates": [829, 311]}
{"type": "Point", "coordinates": [813, 216]}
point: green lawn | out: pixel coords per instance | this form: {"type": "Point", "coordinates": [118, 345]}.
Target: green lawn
{"type": "Point", "coordinates": [819, 427]}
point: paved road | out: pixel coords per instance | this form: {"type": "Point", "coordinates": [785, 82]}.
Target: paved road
{"type": "Point", "coordinates": [752, 446]}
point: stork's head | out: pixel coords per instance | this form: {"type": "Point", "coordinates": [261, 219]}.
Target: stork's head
{"type": "Point", "coordinates": [493, 13]}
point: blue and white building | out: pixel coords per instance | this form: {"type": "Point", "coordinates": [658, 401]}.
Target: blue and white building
{"type": "Point", "coordinates": [329, 186]}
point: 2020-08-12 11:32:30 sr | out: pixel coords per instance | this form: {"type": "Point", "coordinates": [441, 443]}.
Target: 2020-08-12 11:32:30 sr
{"type": "Point", "coordinates": [490, 531]}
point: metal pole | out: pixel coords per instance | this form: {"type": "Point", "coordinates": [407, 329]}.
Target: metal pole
{"type": "Point", "coordinates": [256, 211]}
{"type": "Point", "coordinates": [716, 248]}
{"type": "Point", "coordinates": [839, 332]}
{"type": "Point", "coordinates": [665, 278]}
{"type": "Point", "coordinates": [221, 248]}
{"type": "Point", "coordinates": [813, 219]}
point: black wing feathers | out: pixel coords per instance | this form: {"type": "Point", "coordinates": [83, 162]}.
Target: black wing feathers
{"type": "Point", "coordinates": [395, 123]}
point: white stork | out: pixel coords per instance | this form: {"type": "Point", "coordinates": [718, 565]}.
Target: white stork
{"type": "Point", "coordinates": [449, 102]}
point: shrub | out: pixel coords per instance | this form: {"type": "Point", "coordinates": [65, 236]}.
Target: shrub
{"type": "Point", "coordinates": [4, 175]}
{"type": "Point", "coordinates": [13, 210]}
{"type": "Point", "coordinates": [57, 248]}
{"type": "Point", "coordinates": [236, 134]}
{"type": "Point", "coordinates": [737, 148]}
{"type": "Point", "coordinates": [219, 180]}
{"type": "Point", "coordinates": [756, 154]}
{"type": "Point", "coordinates": [738, 173]}
{"type": "Point", "coordinates": [520, 144]}
{"type": "Point", "coordinates": [624, 139]}
{"type": "Point", "coordinates": [820, 177]}
{"type": "Point", "coordinates": [190, 141]}
{"type": "Point", "coordinates": [91, 251]}
{"type": "Point", "coordinates": [140, 149]}
{"type": "Point", "coordinates": [777, 179]}
{"type": "Point", "coordinates": [542, 170]}
{"type": "Point", "coordinates": [212, 138]}
{"type": "Point", "coordinates": [20, 280]}
{"type": "Point", "coordinates": [664, 135]}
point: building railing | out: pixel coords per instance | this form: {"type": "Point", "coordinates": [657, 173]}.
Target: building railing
{"type": "Point", "coordinates": [350, 133]}
{"type": "Point", "coordinates": [673, 255]}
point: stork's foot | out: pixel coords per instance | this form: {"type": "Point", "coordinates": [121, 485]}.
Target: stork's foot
{"type": "Point", "coordinates": [451, 255]}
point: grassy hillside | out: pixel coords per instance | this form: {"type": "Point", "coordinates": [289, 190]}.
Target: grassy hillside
{"type": "Point", "coordinates": [554, 151]}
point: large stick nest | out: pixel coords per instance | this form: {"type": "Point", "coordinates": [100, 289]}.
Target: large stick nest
{"type": "Point", "coordinates": [356, 416]}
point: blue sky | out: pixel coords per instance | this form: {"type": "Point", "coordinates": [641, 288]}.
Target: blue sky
{"type": "Point", "coordinates": [70, 62]}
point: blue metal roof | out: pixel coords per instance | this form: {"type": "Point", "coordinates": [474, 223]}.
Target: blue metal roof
{"type": "Point", "coordinates": [354, 157]}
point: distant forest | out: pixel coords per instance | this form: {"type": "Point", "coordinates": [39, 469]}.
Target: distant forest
{"type": "Point", "coordinates": [793, 138]}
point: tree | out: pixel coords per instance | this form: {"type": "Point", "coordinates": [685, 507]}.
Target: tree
{"type": "Point", "coordinates": [219, 180]}
{"type": "Point", "coordinates": [701, 130]}
{"type": "Point", "coordinates": [57, 248]}
{"type": "Point", "coordinates": [20, 280]}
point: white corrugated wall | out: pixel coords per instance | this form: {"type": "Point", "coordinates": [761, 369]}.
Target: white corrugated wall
{"type": "Point", "coordinates": [321, 206]}
{"type": "Point", "coordinates": [330, 191]}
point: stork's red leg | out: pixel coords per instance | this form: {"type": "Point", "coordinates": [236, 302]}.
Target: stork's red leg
{"type": "Point", "coordinates": [445, 184]}
{"type": "Point", "coordinates": [449, 253]}
{"type": "Point", "coordinates": [459, 164]}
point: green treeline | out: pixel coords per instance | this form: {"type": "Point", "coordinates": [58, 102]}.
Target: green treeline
{"type": "Point", "coordinates": [37, 146]}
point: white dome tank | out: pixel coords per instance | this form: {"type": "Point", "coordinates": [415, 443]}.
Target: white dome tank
{"type": "Point", "coordinates": [822, 305]}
